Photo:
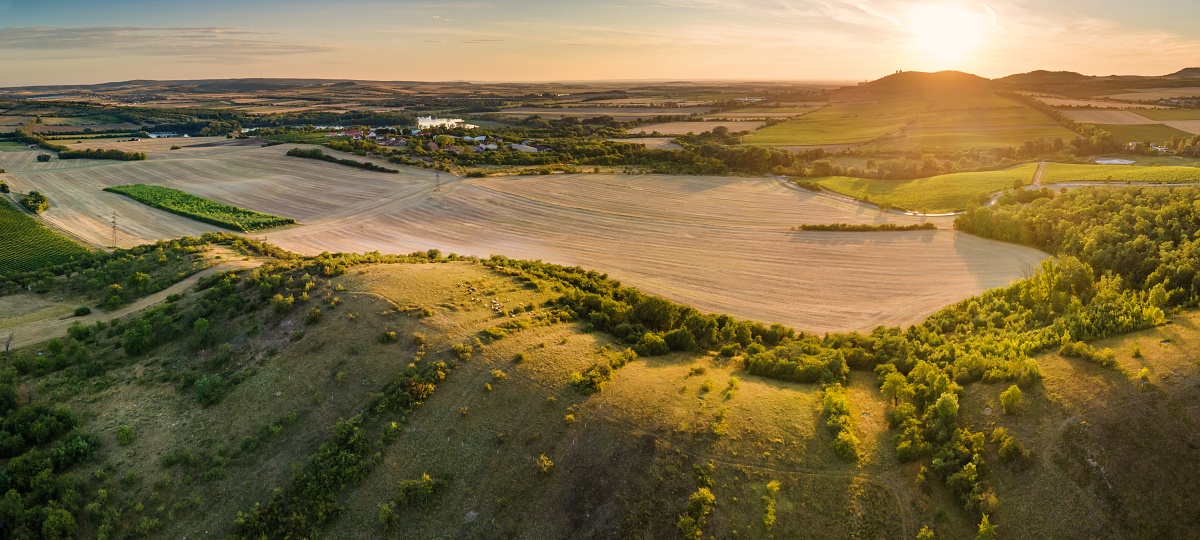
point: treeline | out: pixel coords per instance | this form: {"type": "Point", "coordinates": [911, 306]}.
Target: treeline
{"type": "Point", "coordinates": [862, 227]}
{"type": "Point", "coordinates": [1145, 238]}
{"type": "Point", "coordinates": [316, 153]}
{"type": "Point", "coordinates": [1185, 146]}
{"type": "Point", "coordinates": [25, 135]}
{"type": "Point", "coordinates": [91, 153]}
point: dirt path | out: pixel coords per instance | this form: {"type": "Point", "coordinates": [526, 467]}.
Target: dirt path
{"type": "Point", "coordinates": [1037, 175]}
{"type": "Point", "coordinates": [45, 329]}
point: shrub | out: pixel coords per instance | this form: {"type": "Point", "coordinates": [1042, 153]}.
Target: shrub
{"type": "Point", "coordinates": [652, 344]}
{"type": "Point", "coordinates": [175, 147]}
{"type": "Point", "coordinates": [83, 310]}
{"type": "Point", "coordinates": [545, 466]}
{"type": "Point", "coordinates": [125, 435]}
{"type": "Point", "coordinates": [388, 337]}
{"type": "Point", "coordinates": [692, 522]}
{"type": "Point", "coordinates": [42, 158]}
{"type": "Point", "coordinates": [680, 339]}
{"type": "Point", "coordinates": [707, 386]}
{"type": "Point", "coordinates": [283, 304]}
{"type": "Point", "coordinates": [1010, 448]}
{"type": "Point", "coordinates": [1079, 349]}
{"type": "Point", "coordinates": [35, 202]}
{"type": "Point", "coordinates": [208, 389]}
{"type": "Point", "coordinates": [313, 317]}
{"type": "Point", "coordinates": [518, 358]}
{"type": "Point", "coordinates": [418, 492]}
{"type": "Point", "coordinates": [846, 445]}
{"type": "Point", "coordinates": [202, 331]}
{"type": "Point", "coordinates": [1010, 400]}
{"type": "Point", "coordinates": [769, 504]}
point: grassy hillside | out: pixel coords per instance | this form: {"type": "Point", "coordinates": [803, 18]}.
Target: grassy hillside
{"type": "Point", "coordinates": [423, 396]}
{"type": "Point", "coordinates": [943, 193]}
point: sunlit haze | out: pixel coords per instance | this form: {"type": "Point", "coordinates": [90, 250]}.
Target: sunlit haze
{"type": "Point", "coordinates": [77, 42]}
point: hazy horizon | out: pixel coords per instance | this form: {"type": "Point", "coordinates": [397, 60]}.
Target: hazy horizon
{"type": "Point", "coordinates": [79, 42]}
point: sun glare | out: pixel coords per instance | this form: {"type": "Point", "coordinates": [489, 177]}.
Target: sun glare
{"type": "Point", "coordinates": [946, 33]}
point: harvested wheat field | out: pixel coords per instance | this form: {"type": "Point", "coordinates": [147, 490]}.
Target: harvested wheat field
{"type": "Point", "coordinates": [1054, 101]}
{"type": "Point", "coordinates": [683, 128]}
{"type": "Point", "coordinates": [623, 114]}
{"type": "Point", "coordinates": [1190, 126]}
{"type": "Point", "coordinates": [1152, 94]}
{"type": "Point", "coordinates": [1106, 116]}
{"type": "Point", "coordinates": [653, 143]}
{"type": "Point", "coordinates": [720, 244]}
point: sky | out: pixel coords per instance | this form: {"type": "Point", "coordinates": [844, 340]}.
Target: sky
{"type": "Point", "coordinates": [88, 41]}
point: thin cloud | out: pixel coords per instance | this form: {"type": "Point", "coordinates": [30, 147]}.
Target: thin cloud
{"type": "Point", "coordinates": [483, 41]}
{"type": "Point", "coordinates": [188, 42]}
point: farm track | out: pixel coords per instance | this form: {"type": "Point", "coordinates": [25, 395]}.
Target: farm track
{"type": "Point", "coordinates": [719, 244]}
{"type": "Point", "coordinates": [45, 329]}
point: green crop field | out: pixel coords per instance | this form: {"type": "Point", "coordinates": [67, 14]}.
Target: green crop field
{"type": "Point", "coordinates": [26, 244]}
{"type": "Point", "coordinates": [199, 208]}
{"type": "Point", "coordinates": [842, 123]}
{"type": "Point", "coordinates": [945, 193]}
{"type": "Point", "coordinates": [1170, 114]}
{"type": "Point", "coordinates": [1063, 172]}
{"type": "Point", "coordinates": [1149, 133]}
{"type": "Point", "coordinates": [963, 138]}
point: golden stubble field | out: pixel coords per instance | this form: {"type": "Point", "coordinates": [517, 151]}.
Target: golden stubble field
{"type": "Point", "coordinates": [719, 244]}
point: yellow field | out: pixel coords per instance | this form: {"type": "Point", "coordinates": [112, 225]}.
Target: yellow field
{"type": "Point", "coordinates": [1148, 94]}
{"type": "Point", "coordinates": [1107, 116]}
{"type": "Point", "coordinates": [683, 128]}
{"type": "Point", "coordinates": [720, 244]}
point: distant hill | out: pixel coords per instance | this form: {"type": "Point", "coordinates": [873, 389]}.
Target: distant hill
{"type": "Point", "coordinates": [1186, 73]}
{"type": "Point", "coordinates": [1044, 77]}
{"type": "Point", "coordinates": [918, 82]}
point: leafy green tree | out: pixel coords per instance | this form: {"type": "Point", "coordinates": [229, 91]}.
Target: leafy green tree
{"type": "Point", "coordinates": [1010, 400]}
{"type": "Point", "coordinates": [59, 524]}
{"type": "Point", "coordinates": [202, 332]}
{"type": "Point", "coordinates": [896, 388]}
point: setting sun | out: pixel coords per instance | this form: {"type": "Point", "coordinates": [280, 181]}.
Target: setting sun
{"type": "Point", "coordinates": [946, 33]}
